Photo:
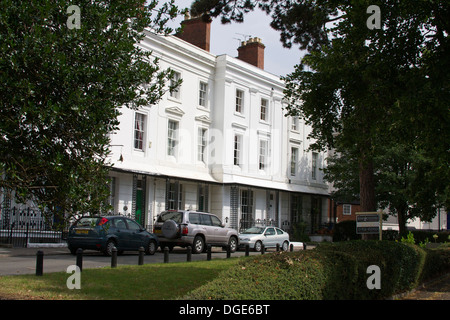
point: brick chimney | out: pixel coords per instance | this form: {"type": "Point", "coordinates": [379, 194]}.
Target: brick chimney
{"type": "Point", "coordinates": [197, 31]}
{"type": "Point", "coordinates": [252, 51]}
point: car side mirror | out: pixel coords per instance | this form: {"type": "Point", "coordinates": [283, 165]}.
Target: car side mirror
{"type": "Point", "coordinates": [222, 225]}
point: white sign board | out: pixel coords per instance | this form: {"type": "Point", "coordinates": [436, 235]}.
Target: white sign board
{"type": "Point", "coordinates": [369, 223]}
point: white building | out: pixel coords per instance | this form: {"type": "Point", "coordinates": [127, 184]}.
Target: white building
{"type": "Point", "coordinates": [220, 143]}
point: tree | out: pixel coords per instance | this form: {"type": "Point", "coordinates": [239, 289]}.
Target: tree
{"type": "Point", "coordinates": [360, 86]}
{"type": "Point", "coordinates": [62, 89]}
{"type": "Point", "coordinates": [402, 182]}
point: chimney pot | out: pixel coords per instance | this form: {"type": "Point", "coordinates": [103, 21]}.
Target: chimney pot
{"type": "Point", "coordinates": [252, 51]}
{"type": "Point", "coordinates": [197, 31]}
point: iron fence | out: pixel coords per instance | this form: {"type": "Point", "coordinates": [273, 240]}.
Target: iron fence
{"type": "Point", "coordinates": [19, 227]}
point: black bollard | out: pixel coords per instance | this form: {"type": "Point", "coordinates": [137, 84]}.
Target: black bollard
{"type": "Point", "coordinates": [80, 259]}
{"type": "Point", "coordinates": [263, 249]}
{"type": "Point", "coordinates": [189, 254]}
{"type": "Point", "coordinates": [228, 251]}
{"type": "Point", "coordinates": [247, 250]}
{"type": "Point", "coordinates": [141, 256]}
{"type": "Point", "coordinates": [39, 263]}
{"type": "Point", "coordinates": [208, 253]}
{"type": "Point", "coordinates": [278, 247]}
{"type": "Point", "coordinates": [291, 247]}
{"type": "Point", "coordinates": [114, 257]}
{"type": "Point", "coordinates": [166, 255]}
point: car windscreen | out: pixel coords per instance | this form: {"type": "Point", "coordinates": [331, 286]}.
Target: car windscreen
{"type": "Point", "coordinates": [87, 222]}
{"type": "Point", "coordinates": [253, 230]}
{"type": "Point", "coordinates": [171, 215]}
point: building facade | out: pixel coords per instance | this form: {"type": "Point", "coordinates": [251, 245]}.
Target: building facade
{"type": "Point", "coordinates": [219, 143]}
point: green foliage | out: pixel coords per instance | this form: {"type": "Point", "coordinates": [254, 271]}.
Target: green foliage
{"type": "Point", "coordinates": [62, 90]}
{"type": "Point", "coordinates": [331, 271]}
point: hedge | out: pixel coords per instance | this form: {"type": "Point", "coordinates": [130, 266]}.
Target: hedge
{"type": "Point", "coordinates": [331, 271]}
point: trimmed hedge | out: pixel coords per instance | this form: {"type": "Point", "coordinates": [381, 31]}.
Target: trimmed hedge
{"type": "Point", "coordinates": [331, 271]}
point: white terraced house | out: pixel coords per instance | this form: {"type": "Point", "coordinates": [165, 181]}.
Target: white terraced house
{"type": "Point", "coordinates": [220, 143]}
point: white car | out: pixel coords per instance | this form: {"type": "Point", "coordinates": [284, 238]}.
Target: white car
{"type": "Point", "coordinates": [255, 237]}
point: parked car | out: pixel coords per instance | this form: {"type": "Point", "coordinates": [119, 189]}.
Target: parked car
{"type": "Point", "coordinates": [105, 233]}
{"type": "Point", "coordinates": [255, 237]}
{"type": "Point", "coordinates": [195, 229]}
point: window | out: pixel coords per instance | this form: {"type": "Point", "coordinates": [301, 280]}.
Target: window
{"type": "Point", "coordinates": [174, 198]}
{"type": "Point", "coordinates": [172, 138]}
{"type": "Point", "coordinates": [175, 93]}
{"type": "Point", "coordinates": [294, 160]}
{"type": "Point", "coordinates": [246, 209]}
{"type": "Point", "coordinates": [237, 150]}
{"type": "Point", "coordinates": [262, 154]}
{"type": "Point", "coordinates": [203, 94]}
{"type": "Point", "coordinates": [294, 124]}
{"type": "Point", "coordinates": [133, 225]}
{"type": "Point", "coordinates": [296, 208]}
{"type": "Point", "coordinates": [314, 166]}
{"type": "Point", "coordinates": [201, 145]}
{"type": "Point", "coordinates": [216, 221]}
{"type": "Point", "coordinates": [347, 209]}
{"type": "Point", "coordinates": [205, 220]}
{"type": "Point", "coordinates": [263, 111]}
{"type": "Point", "coordinates": [239, 101]}
{"type": "Point", "coordinates": [139, 122]}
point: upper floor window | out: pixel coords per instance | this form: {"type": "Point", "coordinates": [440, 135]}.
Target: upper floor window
{"type": "Point", "coordinates": [237, 150]}
{"type": "Point", "coordinates": [263, 111]}
{"type": "Point", "coordinates": [175, 93]}
{"type": "Point", "coordinates": [203, 94]}
{"type": "Point", "coordinates": [172, 138]}
{"type": "Point", "coordinates": [239, 101]}
{"type": "Point", "coordinates": [263, 145]}
{"type": "Point", "coordinates": [139, 130]}
{"type": "Point", "coordinates": [294, 160]}
{"type": "Point", "coordinates": [347, 209]}
{"type": "Point", "coordinates": [294, 124]}
{"type": "Point", "coordinates": [201, 145]}
{"type": "Point", "coordinates": [314, 165]}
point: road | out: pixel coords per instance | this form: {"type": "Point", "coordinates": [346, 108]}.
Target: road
{"type": "Point", "coordinates": [15, 261]}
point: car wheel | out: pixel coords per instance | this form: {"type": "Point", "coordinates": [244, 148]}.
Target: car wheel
{"type": "Point", "coordinates": [258, 246]}
{"type": "Point", "coordinates": [151, 247]}
{"type": "Point", "coordinates": [73, 250]}
{"type": "Point", "coordinates": [198, 245]}
{"type": "Point", "coordinates": [285, 246]}
{"type": "Point", "coordinates": [109, 247]}
{"type": "Point", "coordinates": [233, 244]}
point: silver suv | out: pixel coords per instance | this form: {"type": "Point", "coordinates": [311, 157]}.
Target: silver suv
{"type": "Point", "coordinates": [195, 229]}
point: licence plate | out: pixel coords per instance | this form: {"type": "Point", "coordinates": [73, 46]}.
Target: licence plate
{"type": "Point", "coordinates": [81, 231]}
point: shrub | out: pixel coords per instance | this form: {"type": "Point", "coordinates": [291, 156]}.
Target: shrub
{"type": "Point", "coordinates": [345, 230]}
{"type": "Point", "coordinates": [332, 271]}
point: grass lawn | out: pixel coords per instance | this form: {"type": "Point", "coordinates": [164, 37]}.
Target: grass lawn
{"type": "Point", "coordinates": [147, 282]}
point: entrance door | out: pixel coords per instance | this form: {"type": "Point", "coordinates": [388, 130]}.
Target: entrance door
{"type": "Point", "coordinates": [139, 199]}
{"type": "Point", "coordinates": [139, 208]}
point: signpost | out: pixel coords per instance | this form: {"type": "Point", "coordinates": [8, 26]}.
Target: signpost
{"type": "Point", "coordinates": [369, 223]}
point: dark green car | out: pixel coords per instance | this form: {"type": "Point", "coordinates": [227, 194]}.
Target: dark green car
{"type": "Point", "coordinates": [105, 233]}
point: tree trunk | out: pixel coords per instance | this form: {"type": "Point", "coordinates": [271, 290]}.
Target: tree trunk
{"type": "Point", "coordinates": [401, 218]}
{"type": "Point", "coordinates": [367, 188]}
{"type": "Point", "coordinates": [367, 185]}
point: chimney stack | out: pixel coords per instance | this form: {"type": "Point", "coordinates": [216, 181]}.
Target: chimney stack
{"type": "Point", "coordinates": [197, 31]}
{"type": "Point", "coordinates": [252, 51]}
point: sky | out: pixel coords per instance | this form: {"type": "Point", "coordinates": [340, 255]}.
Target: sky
{"type": "Point", "coordinates": [225, 39]}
